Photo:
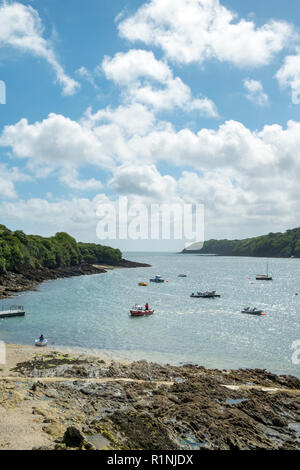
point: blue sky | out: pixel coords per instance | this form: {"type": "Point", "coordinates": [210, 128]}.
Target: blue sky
{"type": "Point", "coordinates": [164, 101]}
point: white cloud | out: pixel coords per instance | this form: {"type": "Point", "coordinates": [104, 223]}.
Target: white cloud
{"type": "Point", "coordinates": [7, 188]}
{"type": "Point", "coordinates": [132, 119]}
{"type": "Point", "coordinates": [288, 76]}
{"type": "Point", "coordinates": [143, 180]}
{"type": "Point", "coordinates": [231, 145]}
{"type": "Point", "coordinates": [234, 170]}
{"type": "Point", "coordinates": [22, 28]}
{"type": "Point", "coordinates": [135, 69]}
{"type": "Point", "coordinates": [126, 68]}
{"type": "Point", "coordinates": [8, 176]}
{"type": "Point", "coordinates": [239, 206]}
{"type": "Point", "coordinates": [255, 92]}
{"type": "Point", "coordinates": [55, 142]}
{"type": "Point", "coordinates": [70, 177]}
{"type": "Point", "coordinates": [112, 137]}
{"type": "Point", "coordinates": [199, 30]}
{"type": "Point", "coordinates": [76, 216]}
{"type": "Point", "coordinates": [85, 74]}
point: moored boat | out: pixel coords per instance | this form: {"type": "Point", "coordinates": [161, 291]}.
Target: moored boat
{"type": "Point", "coordinates": [143, 283]}
{"type": "Point", "coordinates": [253, 311]}
{"type": "Point", "coordinates": [264, 277]}
{"type": "Point", "coordinates": [158, 279]}
{"type": "Point", "coordinates": [139, 311]}
{"type": "Point", "coordinates": [205, 295]}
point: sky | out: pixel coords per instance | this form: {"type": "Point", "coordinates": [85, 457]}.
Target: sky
{"type": "Point", "coordinates": [160, 101]}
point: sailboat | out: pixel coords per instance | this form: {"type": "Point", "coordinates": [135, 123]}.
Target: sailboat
{"type": "Point", "coordinates": [264, 277]}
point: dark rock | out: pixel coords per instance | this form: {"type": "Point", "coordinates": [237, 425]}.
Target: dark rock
{"type": "Point", "coordinates": [73, 437]}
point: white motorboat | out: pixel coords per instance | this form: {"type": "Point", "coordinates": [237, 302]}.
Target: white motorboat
{"type": "Point", "coordinates": [205, 295]}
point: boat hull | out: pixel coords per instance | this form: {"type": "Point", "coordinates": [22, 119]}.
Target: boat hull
{"type": "Point", "coordinates": [41, 344]}
{"type": "Point", "coordinates": [205, 296]}
{"type": "Point", "coordinates": [258, 314]}
{"type": "Point", "coordinates": [141, 313]}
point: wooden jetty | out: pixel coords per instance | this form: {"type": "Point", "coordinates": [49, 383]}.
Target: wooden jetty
{"type": "Point", "coordinates": [13, 311]}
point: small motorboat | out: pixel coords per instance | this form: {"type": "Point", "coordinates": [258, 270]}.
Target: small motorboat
{"type": "Point", "coordinates": [139, 311]}
{"type": "Point", "coordinates": [182, 275]}
{"type": "Point", "coordinates": [205, 295]}
{"type": "Point", "coordinates": [42, 343]}
{"type": "Point", "coordinates": [143, 283]}
{"type": "Point", "coordinates": [253, 311]}
{"type": "Point", "coordinates": [158, 279]}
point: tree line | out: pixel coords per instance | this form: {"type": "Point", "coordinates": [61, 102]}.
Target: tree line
{"type": "Point", "coordinates": [19, 251]}
{"type": "Point", "coordinates": [279, 244]}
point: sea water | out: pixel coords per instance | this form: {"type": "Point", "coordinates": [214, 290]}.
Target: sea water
{"type": "Point", "coordinates": [92, 312]}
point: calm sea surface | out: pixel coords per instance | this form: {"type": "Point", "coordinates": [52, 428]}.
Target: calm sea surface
{"type": "Point", "coordinates": [91, 312]}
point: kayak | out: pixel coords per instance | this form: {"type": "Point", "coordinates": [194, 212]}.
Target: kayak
{"type": "Point", "coordinates": [41, 344]}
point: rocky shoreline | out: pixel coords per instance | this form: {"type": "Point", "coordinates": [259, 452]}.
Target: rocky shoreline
{"type": "Point", "coordinates": [12, 283]}
{"type": "Point", "coordinates": [85, 402]}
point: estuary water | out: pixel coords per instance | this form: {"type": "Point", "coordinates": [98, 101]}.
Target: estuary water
{"type": "Point", "coordinates": [92, 312]}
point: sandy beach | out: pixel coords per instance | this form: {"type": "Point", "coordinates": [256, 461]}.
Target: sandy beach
{"type": "Point", "coordinates": [54, 399]}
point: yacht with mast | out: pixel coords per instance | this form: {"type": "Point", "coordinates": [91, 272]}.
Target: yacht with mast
{"type": "Point", "coordinates": [264, 277]}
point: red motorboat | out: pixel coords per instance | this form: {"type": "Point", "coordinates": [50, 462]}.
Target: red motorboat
{"type": "Point", "coordinates": [139, 311]}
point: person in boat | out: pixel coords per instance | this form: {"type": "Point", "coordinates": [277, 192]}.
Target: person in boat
{"type": "Point", "coordinates": [146, 306]}
{"type": "Point", "coordinates": [41, 339]}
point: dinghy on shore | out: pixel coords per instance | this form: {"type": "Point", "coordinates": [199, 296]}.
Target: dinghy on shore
{"type": "Point", "coordinates": [40, 343]}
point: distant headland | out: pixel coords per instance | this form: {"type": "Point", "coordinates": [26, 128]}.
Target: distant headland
{"type": "Point", "coordinates": [273, 245]}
